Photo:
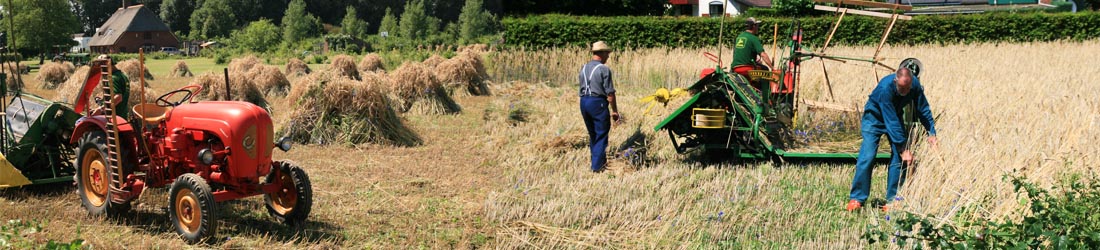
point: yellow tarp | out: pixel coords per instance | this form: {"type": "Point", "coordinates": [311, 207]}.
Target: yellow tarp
{"type": "Point", "coordinates": [9, 176]}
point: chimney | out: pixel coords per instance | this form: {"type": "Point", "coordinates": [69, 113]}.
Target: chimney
{"type": "Point", "coordinates": [124, 4]}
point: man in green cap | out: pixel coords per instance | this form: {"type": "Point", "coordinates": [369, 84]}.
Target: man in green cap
{"type": "Point", "coordinates": [747, 49]}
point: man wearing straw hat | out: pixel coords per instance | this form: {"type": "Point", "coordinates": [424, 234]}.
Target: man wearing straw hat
{"type": "Point", "coordinates": [597, 94]}
{"type": "Point", "coordinates": [882, 115]}
{"type": "Point", "coordinates": [120, 85]}
{"type": "Point", "coordinates": [747, 49]}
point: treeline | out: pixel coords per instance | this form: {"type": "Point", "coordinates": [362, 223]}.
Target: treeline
{"type": "Point", "coordinates": [560, 30]}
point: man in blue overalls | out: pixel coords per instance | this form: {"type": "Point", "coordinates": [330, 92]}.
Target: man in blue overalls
{"type": "Point", "coordinates": [597, 95]}
{"type": "Point", "coordinates": [882, 115]}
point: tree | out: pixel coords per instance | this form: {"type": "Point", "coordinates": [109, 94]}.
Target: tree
{"type": "Point", "coordinates": [793, 7]}
{"type": "Point", "coordinates": [389, 23]}
{"type": "Point", "coordinates": [34, 32]}
{"type": "Point", "coordinates": [177, 14]}
{"type": "Point", "coordinates": [297, 24]}
{"type": "Point", "coordinates": [213, 19]}
{"type": "Point", "coordinates": [352, 25]}
{"type": "Point", "coordinates": [93, 13]}
{"type": "Point", "coordinates": [474, 21]}
{"type": "Point", "coordinates": [415, 24]}
{"type": "Point", "coordinates": [257, 36]}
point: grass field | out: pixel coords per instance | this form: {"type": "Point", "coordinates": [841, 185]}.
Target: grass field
{"type": "Point", "coordinates": [487, 179]}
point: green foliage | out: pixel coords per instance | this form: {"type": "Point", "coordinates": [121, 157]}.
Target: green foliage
{"type": "Point", "coordinates": [793, 7]}
{"type": "Point", "coordinates": [1063, 217]}
{"type": "Point", "coordinates": [177, 14]}
{"type": "Point", "coordinates": [258, 36]}
{"type": "Point", "coordinates": [212, 20]}
{"type": "Point", "coordinates": [475, 22]}
{"type": "Point", "coordinates": [415, 23]}
{"type": "Point", "coordinates": [585, 7]}
{"type": "Point", "coordinates": [298, 24]}
{"type": "Point", "coordinates": [18, 234]}
{"type": "Point", "coordinates": [389, 23]}
{"type": "Point", "coordinates": [37, 33]}
{"type": "Point", "coordinates": [92, 13]}
{"type": "Point", "coordinates": [353, 26]}
{"type": "Point", "coordinates": [561, 30]}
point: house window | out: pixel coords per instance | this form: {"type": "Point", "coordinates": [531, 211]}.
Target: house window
{"type": "Point", "coordinates": [687, 10]}
{"type": "Point", "coordinates": [716, 9]}
{"type": "Point", "coordinates": [148, 35]}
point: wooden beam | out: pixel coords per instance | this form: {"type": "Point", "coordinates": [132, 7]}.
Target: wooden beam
{"type": "Point", "coordinates": [868, 4]}
{"type": "Point", "coordinates": [861, 12]}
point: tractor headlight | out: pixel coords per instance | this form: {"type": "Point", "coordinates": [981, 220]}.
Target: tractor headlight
{"type": "Point", "coordinates": [284, 144]}
{"type": "Point", "coordinates": [206, 156]}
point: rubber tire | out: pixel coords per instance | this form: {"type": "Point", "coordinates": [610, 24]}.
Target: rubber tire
{"type": "Point", "coordinates": [96, 140]}
{"type": "Point", "coordinates": [208, 210]}
{"type": "Point", "coordinates": [298, 214]}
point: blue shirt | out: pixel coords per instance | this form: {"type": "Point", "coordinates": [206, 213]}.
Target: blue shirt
{"type": "Point", "coordinates": [595, 79]}
{"type": "Point", "coordinates": [884, 109]}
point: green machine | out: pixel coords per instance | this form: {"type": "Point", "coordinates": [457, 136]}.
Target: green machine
{"type": "Point", "coordinates": [754, 118]}
{"type": "Point", "coordinates": [35, 140]}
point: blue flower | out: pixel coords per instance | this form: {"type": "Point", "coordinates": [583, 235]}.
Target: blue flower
{"type": "Point", "coordinates": [898, 198]}
{"type": "Point", "coordinates": [720, 213]}
{"type": "Point", "coordinates": [887, 217]}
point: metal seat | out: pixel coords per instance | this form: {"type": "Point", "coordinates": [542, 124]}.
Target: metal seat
{"type": "Point", "coordinates": [153, 114]}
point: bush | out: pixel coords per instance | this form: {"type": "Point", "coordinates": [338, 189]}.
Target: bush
{"type": "Point", "coordinates": [561, 30]}
{"type": "Point", "coordinates": [1060, 218]}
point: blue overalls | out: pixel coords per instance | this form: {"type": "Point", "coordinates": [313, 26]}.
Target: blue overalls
{"type": "Point", "coordinates": [595, 85]}
{"type": "Point", "coordinates": [882, 115]}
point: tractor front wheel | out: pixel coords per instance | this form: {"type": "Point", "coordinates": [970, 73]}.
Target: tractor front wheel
{"type": "Point", "coordinates": [94, 175]}
{"type": "Point", "coordinates": [192, 209]}
{"type": "Point", "coordinates": [291, 204]}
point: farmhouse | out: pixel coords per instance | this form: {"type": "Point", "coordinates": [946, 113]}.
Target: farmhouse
{"type": "Point", "coordinates": [131, 28]}
{"type": "Point", "coordinates": [713, 8]}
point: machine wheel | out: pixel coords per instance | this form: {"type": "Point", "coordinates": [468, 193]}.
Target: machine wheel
{"type": "Point", "coordinates": [291, 204]}
{"type": "Point", "coordinates": [192, 209]}
{"type": "Point", "coordinates": [93, 176]}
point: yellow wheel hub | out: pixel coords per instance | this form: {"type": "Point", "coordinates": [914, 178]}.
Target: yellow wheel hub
{"type": "Point", "coordinates": [94, 177]}
{"type": "Point", "coordinates": [188, 211]}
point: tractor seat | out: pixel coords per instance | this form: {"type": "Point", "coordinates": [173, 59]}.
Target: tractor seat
{"type": "Point", "coordinates": [153, 113]}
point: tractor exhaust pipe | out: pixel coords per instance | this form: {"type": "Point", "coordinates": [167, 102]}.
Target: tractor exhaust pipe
{"type": "Point", "coordinates": [226, 70]}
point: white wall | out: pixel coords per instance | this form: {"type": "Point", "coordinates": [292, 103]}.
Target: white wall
{"type": "Point", "coordinates": [732, 8]}
{"type": "Point", "coordinates": [81, 43]}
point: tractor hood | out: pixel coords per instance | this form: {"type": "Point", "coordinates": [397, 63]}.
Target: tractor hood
{"type": "Point", "coordinates": [243, 127]}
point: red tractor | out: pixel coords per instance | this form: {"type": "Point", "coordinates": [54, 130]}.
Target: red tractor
{"type": "Point", "coordinates": [206, 152]}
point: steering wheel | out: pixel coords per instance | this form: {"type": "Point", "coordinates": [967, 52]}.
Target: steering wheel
{"type": "Point", "coordinates": [190, 91]}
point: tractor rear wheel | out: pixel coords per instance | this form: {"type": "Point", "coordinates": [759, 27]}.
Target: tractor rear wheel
{"type": "Point", "coordinates": [291, 204]}
{"type": "Point", "coordinates": [192, 209]}
{"type": "Point", "coordinates": [93, 180]}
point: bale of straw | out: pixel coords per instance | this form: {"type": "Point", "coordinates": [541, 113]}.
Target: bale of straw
{"type": "Point", "coordinates": [344, 65]}
{"type": "Point", "coordinates": [243, 64]}
{"type": "Point", "coordinates": [53, 74]}
{"type": "Point", "coordinates": [14, 83]}
{"type": "Point", "coordinates": [132, 69]}
{"type": "Point", "coordinates": [296, 67]}
{"type": "Point", "coordinates": [371, 62]}
{"type": "Point", "coordinates": [434, 60]}
{"type": "Point", "coordinates": [269, 79]}
{"type": "Point", "coordinates": [180, 69]}
{"type": "Point", "coordinates": [69, 66]}
{"type": "Point", "coordinates": [465, 71]}
{"type": "Point", "coordinates": [241, 89]}
{"type": "Point", "coordinates": [329, 109]}
{"type": "Point", "coordinates": [67, 91]}
{"type": "Point", "coordinates": [477, 48]}
{"type": "Point", "coordinates": [417, 89]}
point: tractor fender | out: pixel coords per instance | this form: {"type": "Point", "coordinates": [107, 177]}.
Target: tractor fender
{"type": "Point", "coordinates": [98, 122]}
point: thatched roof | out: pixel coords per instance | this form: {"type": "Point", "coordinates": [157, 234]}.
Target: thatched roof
{"type": "Point", "coordinates": [135, 18]}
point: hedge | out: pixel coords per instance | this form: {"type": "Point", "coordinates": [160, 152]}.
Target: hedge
{"type": "Point", "coordinates": [560, 30]}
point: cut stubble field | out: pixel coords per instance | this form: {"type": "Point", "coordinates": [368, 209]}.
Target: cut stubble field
{"type": "Point", "coordinates": [510, 170]}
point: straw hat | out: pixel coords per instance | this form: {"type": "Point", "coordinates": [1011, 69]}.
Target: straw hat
{"type": "Point", "coordinates": [600, 46]}
{"type": "Point", "coordinates": [752, 21]}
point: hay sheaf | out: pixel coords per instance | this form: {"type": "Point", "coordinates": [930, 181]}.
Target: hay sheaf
{"type": "Point", "coordinates": [434, 60]}
{"type": "Point", "coordinates": [344, 65]}
{"type": "Point", "coordinates": [329, 109]}
{"type": "Point", "coordinates": [180, 69]}
{"type": "Point", "coordinates": [465, 73]}
{"type": "Point", "coordinates": [241, 89]}
{"type": "Point", "coordinates": [132, 69]}
{"type": "Point", "coordinates": [297, 67]}
{"type": "Point", "coordinates": [244, 64]}
{"type": "Point", "coordinates": [371, 62]}
{"type": "Point", "coordinates": [417, 89]}
{"type": "Point", "coordinates": [269, 79]}
{"type": "Point", "coordinates": [67, 91]}
{"type": "Point", "coordinates": [53, 74]}
{"type": "Point", "coordinates": [478, 48]}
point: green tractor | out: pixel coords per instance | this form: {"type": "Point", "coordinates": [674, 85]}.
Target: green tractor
{"type": "Point", "coordinates": [34, 141]}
